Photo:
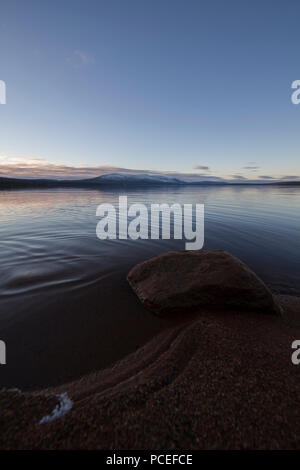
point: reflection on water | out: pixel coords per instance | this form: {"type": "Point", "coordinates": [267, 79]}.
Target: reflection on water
{"type": "Point", "coordinates": [48, 238]}
{"type": "Point", "coordinates": [52, 261]}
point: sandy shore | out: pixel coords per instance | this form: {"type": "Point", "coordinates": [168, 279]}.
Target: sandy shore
{"type": "Point", "coordinates": [217, 381]}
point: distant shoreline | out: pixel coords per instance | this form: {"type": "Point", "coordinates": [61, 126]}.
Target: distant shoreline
{"type": "Point", "coordinates": [95, 183]}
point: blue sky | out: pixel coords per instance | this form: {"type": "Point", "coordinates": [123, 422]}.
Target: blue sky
{"type": "Point", "coordinates": [161, 85]}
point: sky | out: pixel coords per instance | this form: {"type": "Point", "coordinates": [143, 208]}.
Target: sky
{"type": "Point", "coordinates": [194, 88]}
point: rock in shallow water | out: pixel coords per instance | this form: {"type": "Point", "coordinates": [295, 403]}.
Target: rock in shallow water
{"type": "Point", "coordinates": [186, 281]}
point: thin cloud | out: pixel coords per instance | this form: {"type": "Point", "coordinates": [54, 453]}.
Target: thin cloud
{"type": "Point", "coordinates": [84, 57]}
{"type": "Point", "coordinates": [266, 177]}
{"type": "Point", "coordinates": [81, 58]}
{"type": "Point", "coordinates": [201, 167]}
{"type": "Point", "coordinates": [253, 168]}
{"type": "Point", "coordinates": [289, 177]}
{"type": "Point", "coordinates": [238, 177]}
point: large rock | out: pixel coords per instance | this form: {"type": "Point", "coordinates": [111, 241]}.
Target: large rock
{"type": "Point", "coordinates": [186, 281]}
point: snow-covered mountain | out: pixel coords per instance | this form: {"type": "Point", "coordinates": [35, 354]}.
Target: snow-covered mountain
{"type": "Point", "coordinates": [140, 178]}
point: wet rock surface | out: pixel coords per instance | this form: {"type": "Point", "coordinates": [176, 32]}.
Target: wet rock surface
{"type": "Point", "coordinates": [185, 281]}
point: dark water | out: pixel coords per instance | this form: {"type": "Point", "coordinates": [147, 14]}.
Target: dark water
{"type": "Point", "coordinates": [65, 306]}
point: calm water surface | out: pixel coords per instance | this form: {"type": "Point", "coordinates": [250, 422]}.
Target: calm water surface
{"type": "Point", "coordinates": [65, 307]}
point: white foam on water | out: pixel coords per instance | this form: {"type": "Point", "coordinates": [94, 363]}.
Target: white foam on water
{"type": "Point", "coordinates": [65, 404]}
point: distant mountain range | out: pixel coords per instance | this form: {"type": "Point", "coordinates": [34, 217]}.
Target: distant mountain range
{"type": "Point", "coordinates": [112, 179]}
{"type": "Point", "coordinates": [119, 180]}
{"type": "Point", "coordinates": [141, 178]}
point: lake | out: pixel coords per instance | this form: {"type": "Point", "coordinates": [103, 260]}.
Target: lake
{"type": "Point", "coordinates": [65, 306]}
